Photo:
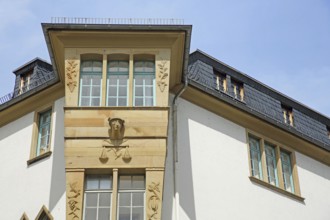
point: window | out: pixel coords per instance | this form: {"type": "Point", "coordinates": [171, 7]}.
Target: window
{"type": "Point", "coordinates": [25, 82]}
{"type": "Point", "coordinates": [117, 83]}
{"type": "Point", "coordinates": [90, 83]}
{"type": "Point", "coordinates": [131, 197]}
{"type": "Point", "coordinates": [43, 132]}
{"type": "Point", "coordinates": [98, 190]}
{"type": "Point", "coordinates": [328, 131]}
{"type": "Point", "coordinates": [44, 214]}
{"type": "Point", "coordinates": [287, 115]}
{"type": "Point", "coordinates": [273, 163]}
{"type": "Point", "coordinates": [238, 90]}
{"type": "Point", "coordinates": [40, 146]}
{"type": "Point", "coordinates": [221, 82]}
{"type": "Point", "coordinates": [101, 191]}
{"type": "Point", "coordinates": [144, 83]}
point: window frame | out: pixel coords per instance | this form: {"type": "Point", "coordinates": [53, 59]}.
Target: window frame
{"type": "Point", "coordinates": [237, 89]}
{"type": "Point", "coordinates": [91, 85]}
{"type": "Point", "coordinates": [264, 180]}
{"type": "Point", "coordinates": [117, 73]}
{"type": "Point", "coordinates": [288, 117]}
{"type": "Point", "coordinates": [98, 191]}
{"type": "Point", "coordinates": [144, 86]}
{"type": "Point", "coordinates": [34, 156]}
{"type": "Point", "coordinates": [44, 212]}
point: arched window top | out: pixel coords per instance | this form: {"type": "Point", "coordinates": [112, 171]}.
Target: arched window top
{"type": "Point", "coordinates": [91, 66]}
{"type": "Point", "coordinates": [144, 67]}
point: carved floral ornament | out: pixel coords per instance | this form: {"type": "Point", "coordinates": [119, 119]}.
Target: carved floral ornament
{"type": "Point", "coordinates": [71, 74]}
{"type": "Point", "coordinates": [162, 75]}
{"type": "Point", "coordinates": [153, 200]}
{"type": "Point", "coordinates": [73, 196]}
{"type": "Point", "coordinates": [115, 142]}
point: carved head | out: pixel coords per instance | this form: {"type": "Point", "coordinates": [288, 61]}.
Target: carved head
{"type": "Point", "coordinates": [116, 128]}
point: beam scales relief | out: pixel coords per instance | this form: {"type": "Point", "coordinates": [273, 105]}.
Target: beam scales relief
{"type": "Point", "coordinates": [115, 140]}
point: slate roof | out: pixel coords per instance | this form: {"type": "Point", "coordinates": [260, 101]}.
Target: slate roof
{"type": "Point", "coordinates": [259, 99]}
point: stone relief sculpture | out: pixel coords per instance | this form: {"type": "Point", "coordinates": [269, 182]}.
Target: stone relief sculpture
{"type": "Point", "coordinates": [115, 142]}
{"type": "Point", "coordinates": [74, 193]}
{"type": "Point", "coordinates": [162, 75]}
{"type": "Point", "coordinates": [71, 74]}
{"type": "Point", "coordinates": [153, 201]}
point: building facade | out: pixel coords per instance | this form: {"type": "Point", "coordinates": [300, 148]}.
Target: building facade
{"type": "Point", "coordinates": [126, 124]}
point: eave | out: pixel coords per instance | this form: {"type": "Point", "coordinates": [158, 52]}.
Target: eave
{"type": "Point", "coordinates": [174, 37]}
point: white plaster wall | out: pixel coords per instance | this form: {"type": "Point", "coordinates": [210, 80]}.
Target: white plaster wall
{"type": "Point", "coordinates": [213, 175]}
{"type": "Point", "coordinates": [26, 188]}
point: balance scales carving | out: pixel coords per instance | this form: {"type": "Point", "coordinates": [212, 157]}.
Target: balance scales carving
{"type": "Point", "coordinates": [116, 142]}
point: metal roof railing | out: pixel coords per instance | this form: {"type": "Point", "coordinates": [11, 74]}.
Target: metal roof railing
{"type": "Point", "coordinates": [137, 21]}
{"type": "Point", "coordinates": [21, 90]}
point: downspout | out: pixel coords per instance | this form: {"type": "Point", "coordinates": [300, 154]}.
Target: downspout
{"type": "Point", "coordinates": [175, 146]}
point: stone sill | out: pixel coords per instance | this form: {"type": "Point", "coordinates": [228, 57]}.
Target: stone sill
{"type": "Point", "coordinates": [277, 189]}
{"type": "Point", "coordinates": [40, 157]}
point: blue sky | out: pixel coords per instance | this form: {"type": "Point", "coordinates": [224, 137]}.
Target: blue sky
{"type": "Point", "coordinates": [284, 44]}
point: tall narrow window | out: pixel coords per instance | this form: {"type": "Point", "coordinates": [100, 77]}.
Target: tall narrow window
{"type": "Point", "coordinates": [25, 82]}
{"type": "Point", "coordinates": [117, 83]}
{"type": "Point", "coordinates": [131, 197]}
{"type": "Point", "coordinates": [90, 83]}
{"type": "Point", "coordinates": [271, 164]}
{"type": "Point", "coordinates": [97, 199]}
{"type": "Point", "coordinates": [238, 90]}
{"type": "Point", "coordinates": [144, 83]}
{"type": "Point", "coordinates": [43, 132]}
{"type": "Point", "coordinates": [255, 157]}
{"type": "Point", "coordinates": [328, 131]}
{"type": "Point", "coordinates": [221, 82]}
{"type": "Point", "coordinates": [287, 171]}
{"type": "Point", "coordinates": [287, 115]}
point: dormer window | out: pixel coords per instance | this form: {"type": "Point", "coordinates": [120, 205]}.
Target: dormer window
{"type": "Point", "coordinates": [287, 115]}
{"type": "Point", "coordinates": [221, 82]}
{"type": "Point", "coordinates": [25, 82]}
{"type": "Point", "coordinates": [328, 130]}
{"type": "Point", "coordinates": [238, 90]}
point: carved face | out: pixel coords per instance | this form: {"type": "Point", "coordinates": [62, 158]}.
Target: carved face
{"type": "Point", "coordinates": [116, 124]}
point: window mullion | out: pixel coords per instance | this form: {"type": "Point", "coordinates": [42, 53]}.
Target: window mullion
{"type": "Point", "coordinates": [279, 168]}
{"type": "Point", "coordinates": [144, 92]}
{"type": "Point", "coordinates": [263, 161]}
{"type": "Point", "coordinates": [117, 95]}
{"type": "Point", "coordinates": [90, 91]}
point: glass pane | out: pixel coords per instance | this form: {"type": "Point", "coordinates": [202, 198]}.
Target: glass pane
{"type": "Point", "coordinates": [105, 182]}
{"type": "Point", "coordinates": [95, 102]}
{"type": "Point", "coordinates": [138, 182]}
{"type": "Point", "coordinates": [137, 213]}
{"type": "Point", "coordinates": [138, 91]}
{"type": "Point", "coordinates": [122, 91]}
{"type": "Point", "coordinates": [149, 91]}
{"type": "Point", "coordinates": [138, 80]}
{"type": "Point", "coordinates": [112, 91]}
{"type": "Point", "coordinates": [138, 102]}
{"type": "Point", "coordinates": [124, 199]}
{"type": "Point", "coordinates": [105, 199]}
{"type": "Point", "coordinates": [96, 81]}
{"type": "Point", "coordinates": [112, 80]}
{"type": "Point", "coordinates": [97, 66]}
{"type": "Point", "coordinates": [122, 102]}
{"type": "Point", "coordinates": [138, 199]}
{"type": "Point", "coordinates": [96, 91]}
{"type": "Point", "coordinates": [104, 214]}
{"type": "Point", "coordinates": [125, 182]}
{"type": "Point", "coordinates": [123, 79]}
{"type": "Point", "coordinates": [92, 182]}
{"type": "Point", "coordinates": [112, 102]}
{"type": "Point", "coordinates": [91, 199]}
{"type": "Point", "coordinates": [148, 80]}
{"type": "Point", "coordinates": [149, 102]}
{"type": "Point", "coordinates": [124, 213]}
{"type": "Point", "coordinates": [90, 214]}
{"type": "Point", "coordinates": [84, 101]}
{"type": "Point", "coordinates": [85, 91]}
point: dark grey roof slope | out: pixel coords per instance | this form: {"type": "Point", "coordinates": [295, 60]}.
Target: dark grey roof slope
{"type": "Point", "coordinates": [41, 75]}
{"type": "Point", "coordinates": [259, 99]}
